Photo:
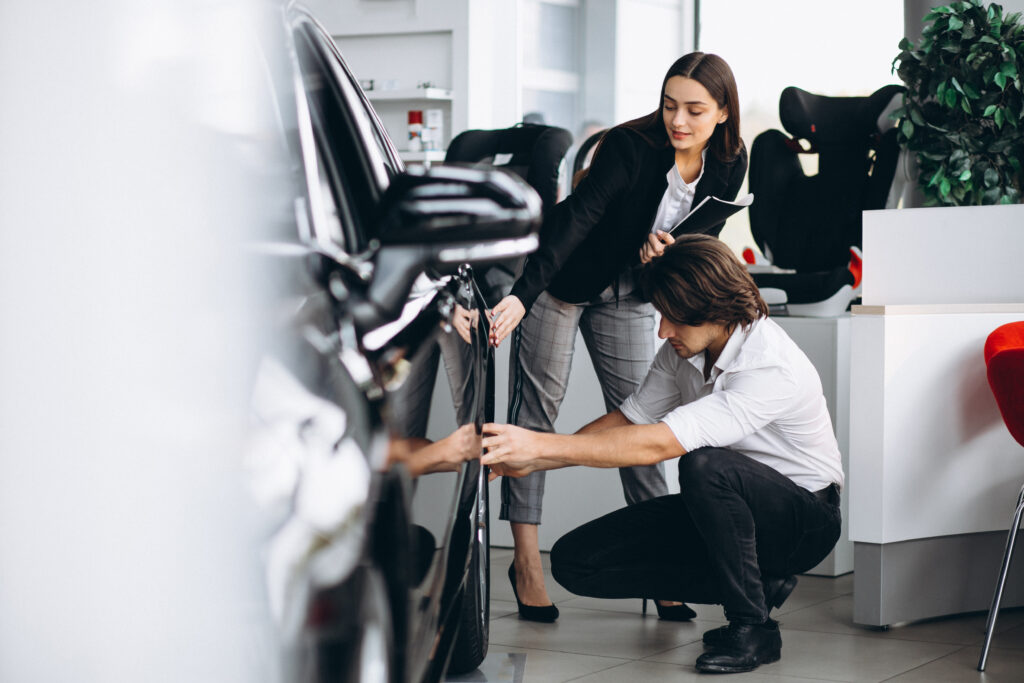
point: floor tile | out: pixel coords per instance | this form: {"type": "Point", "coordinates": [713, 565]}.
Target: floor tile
{"type": "Point", "coordinates": [592, 632]}
{"type": "Point", "coordinates": [1003, 666]}
{"type": "Point", "coordinates": [502, 608]}
{"type": "Point", "coordinates": [833, 657]}
{"type": "Point", "coordinates": [609, 640]}
{"type": "Point", "coordinates": [524, 665]}
{"type": "Point", "coordinates": [1008, 635]}
{"type": "Point", "coordinates": [657, 672]}
{"type": "Point", "coordinates": [836, 616]}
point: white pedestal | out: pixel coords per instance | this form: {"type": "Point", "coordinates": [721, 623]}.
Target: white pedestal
{"type": "Point", "coordinates": [826, 341]}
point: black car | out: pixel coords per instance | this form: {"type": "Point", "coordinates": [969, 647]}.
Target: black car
{"type": "Point", "coordinates": [374, 574]}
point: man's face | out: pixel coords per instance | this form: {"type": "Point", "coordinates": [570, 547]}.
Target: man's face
{"type": "Point", "coordinates": [689, 340]}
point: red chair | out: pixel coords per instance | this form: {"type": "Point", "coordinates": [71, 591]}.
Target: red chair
{"type": "Point", "coordinates": [1004, 359]}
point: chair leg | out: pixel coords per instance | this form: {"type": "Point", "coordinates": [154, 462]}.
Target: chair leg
{"type": "Point", "coordinates": [993, 611]}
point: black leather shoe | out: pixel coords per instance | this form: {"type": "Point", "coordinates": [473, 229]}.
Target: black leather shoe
{"type": "Point", "coordinates": [776, 590]}
{"type": "Point", "coordinates": [544, 613]}
{"type": "Point", "coordinates": [744, 647]}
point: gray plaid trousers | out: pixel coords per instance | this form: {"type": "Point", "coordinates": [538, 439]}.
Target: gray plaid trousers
{"type": "Point", "coordinates": [620, 339]}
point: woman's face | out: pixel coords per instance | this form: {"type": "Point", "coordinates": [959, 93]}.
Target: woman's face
{"type": "Point", "coordinates": [690, 113]}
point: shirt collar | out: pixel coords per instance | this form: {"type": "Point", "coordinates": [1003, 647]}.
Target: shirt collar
{"type": "Point", "coordinates": [729, 352]}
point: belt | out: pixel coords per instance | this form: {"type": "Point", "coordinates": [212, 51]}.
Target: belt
{"type": "Point", "coordinates": [829, 494]}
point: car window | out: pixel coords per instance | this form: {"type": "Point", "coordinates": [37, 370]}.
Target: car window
{"type": "Point", "coordinates": [349, 178]}
{"type": "Point", "coordinates": [358, 100]}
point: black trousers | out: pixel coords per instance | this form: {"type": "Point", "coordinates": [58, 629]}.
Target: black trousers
{"type": "Point", "coordinates": [734, 522]}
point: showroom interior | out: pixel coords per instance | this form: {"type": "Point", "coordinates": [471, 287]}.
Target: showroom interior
{"type": "Point", "coordinates": [176, 207]}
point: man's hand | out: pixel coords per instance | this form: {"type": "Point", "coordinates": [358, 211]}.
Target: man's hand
{"type": "Point", "coordinates": [655, 246]}
{"type": "Point", "coordinates": [464, 321]}
{"type": "Point", "coordinates": [447, 455]}
{"type": "Point", "coordinates": [511, 451]}
{"type": "Point", "coordinates": [505, 317]}
{"type": "Point", "coordinates": [461, 445]}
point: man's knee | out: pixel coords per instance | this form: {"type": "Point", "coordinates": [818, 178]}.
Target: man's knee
{"type": "Point", "coordinates": [696, 467]}
{"type": "Point", "coordinates": [566, 562]}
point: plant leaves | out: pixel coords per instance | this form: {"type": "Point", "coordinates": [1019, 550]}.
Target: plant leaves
{"type": "Point", "coordinates": [907, 128]}
{"type": "Point", "coordinates": [955, 23]}
{"type": "Point", "coordinates": [1000, 80]}
{"type": "Point", "coordinates": [1000, 117]}
{"type": "Point", "coordinates": [991, 177]}
{"type": "Point", "coordinates": [989, 110]}
{"type": "Point", "coordinates": [950, 97]}
{"type": "Point", "coordinates": [966, 175]}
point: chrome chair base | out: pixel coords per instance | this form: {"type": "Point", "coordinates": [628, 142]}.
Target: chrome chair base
{"type": "Point", "coordinates": [993, 612]}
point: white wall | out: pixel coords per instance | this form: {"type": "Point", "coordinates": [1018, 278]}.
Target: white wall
{"type": "Point", "coordinates": [649, 39]}
{"type": "Point", "coordinates": [468, 46]}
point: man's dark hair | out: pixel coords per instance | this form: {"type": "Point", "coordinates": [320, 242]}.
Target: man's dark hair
{"type": "Point", "coordinates": [699, 280]}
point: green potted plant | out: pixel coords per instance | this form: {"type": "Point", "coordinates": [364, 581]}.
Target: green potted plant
{"type": "Point", "coordinates": [963, 110]}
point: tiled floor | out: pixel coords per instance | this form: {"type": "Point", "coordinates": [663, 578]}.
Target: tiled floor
{"type": "Point", "coordinates": [609, 641]}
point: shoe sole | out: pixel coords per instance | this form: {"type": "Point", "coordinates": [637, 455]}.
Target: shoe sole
{"type": "Point", "coordinates": [717, 669]}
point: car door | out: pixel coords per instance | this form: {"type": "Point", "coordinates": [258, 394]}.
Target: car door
{"type": "Point", "coordinates": [356, 162]}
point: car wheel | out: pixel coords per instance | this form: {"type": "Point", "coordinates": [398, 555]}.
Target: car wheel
{"type": "Point", "coordinates": [475, 612]}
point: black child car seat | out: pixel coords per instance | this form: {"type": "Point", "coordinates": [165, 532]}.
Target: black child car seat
{"type": "Point", "coordinates": [809, 223]}
{"type": "Point", "coordinates": [532, 151]}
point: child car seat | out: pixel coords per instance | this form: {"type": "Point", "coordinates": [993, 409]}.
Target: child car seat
{"type": "Point", "coordinates": [532, 151]}
{"type": "Point", "coordinates": [809, 223]}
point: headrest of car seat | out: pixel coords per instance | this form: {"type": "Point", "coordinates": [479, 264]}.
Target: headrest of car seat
{"type": "Point", "coordinates": [536, 153]}
{"type": "Point", "coordinates": [825, 121]}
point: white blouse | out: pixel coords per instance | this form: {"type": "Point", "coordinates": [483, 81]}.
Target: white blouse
{"type": "Point", "coordinates": [678, 198]}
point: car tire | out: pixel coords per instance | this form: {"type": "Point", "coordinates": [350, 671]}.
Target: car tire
{"type": "Point", "coordinates": [475, 611]}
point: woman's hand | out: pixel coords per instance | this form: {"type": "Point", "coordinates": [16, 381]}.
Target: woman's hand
{"type": "Point", "coordinates": [505, 318]}
{"type": "Point", "coordinates": [655, 246]}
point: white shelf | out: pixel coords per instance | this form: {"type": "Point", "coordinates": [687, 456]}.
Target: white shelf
{"type": "Point", "coordinates": [410, 94]}
{"type": "Point", "coordinates": [431, 156]}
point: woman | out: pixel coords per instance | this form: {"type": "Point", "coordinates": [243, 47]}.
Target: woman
{"type": "Point", "coordinates": [645, 177]}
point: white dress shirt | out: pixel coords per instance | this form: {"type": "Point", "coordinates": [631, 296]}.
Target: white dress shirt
{"type": "Point", "coordinates": [678, 198]}
{"type": "Point", "coordinates": [763, 399]}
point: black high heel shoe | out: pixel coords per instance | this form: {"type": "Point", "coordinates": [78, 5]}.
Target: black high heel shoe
{"type": "Point", "coordinates": [671, 612]}
{"type": "Point", "coordinates": [546, 613]}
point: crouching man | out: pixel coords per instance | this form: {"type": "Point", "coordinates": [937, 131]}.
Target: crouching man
{"type": "Point", "coordinates": [741, 406]}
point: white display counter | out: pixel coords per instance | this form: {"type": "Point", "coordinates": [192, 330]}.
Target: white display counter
{"type": "Point", "coordinates": [933, 471]}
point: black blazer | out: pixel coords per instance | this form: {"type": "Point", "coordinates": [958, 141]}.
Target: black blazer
{"type": "Point", "coordinates": [596, 233]}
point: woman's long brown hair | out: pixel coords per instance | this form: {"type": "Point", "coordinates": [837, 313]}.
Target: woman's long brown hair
{"type": "Point", "coordinates": [714, 74]}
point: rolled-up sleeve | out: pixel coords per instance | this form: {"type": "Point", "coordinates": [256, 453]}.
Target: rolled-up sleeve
{"type": "Point", "coordinates": [657, 394]}
{"type": "Point", "coordinates": [747, 402]}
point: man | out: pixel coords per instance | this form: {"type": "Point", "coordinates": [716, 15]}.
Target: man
{"type": "Point", "coordinates": [742, 408]}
